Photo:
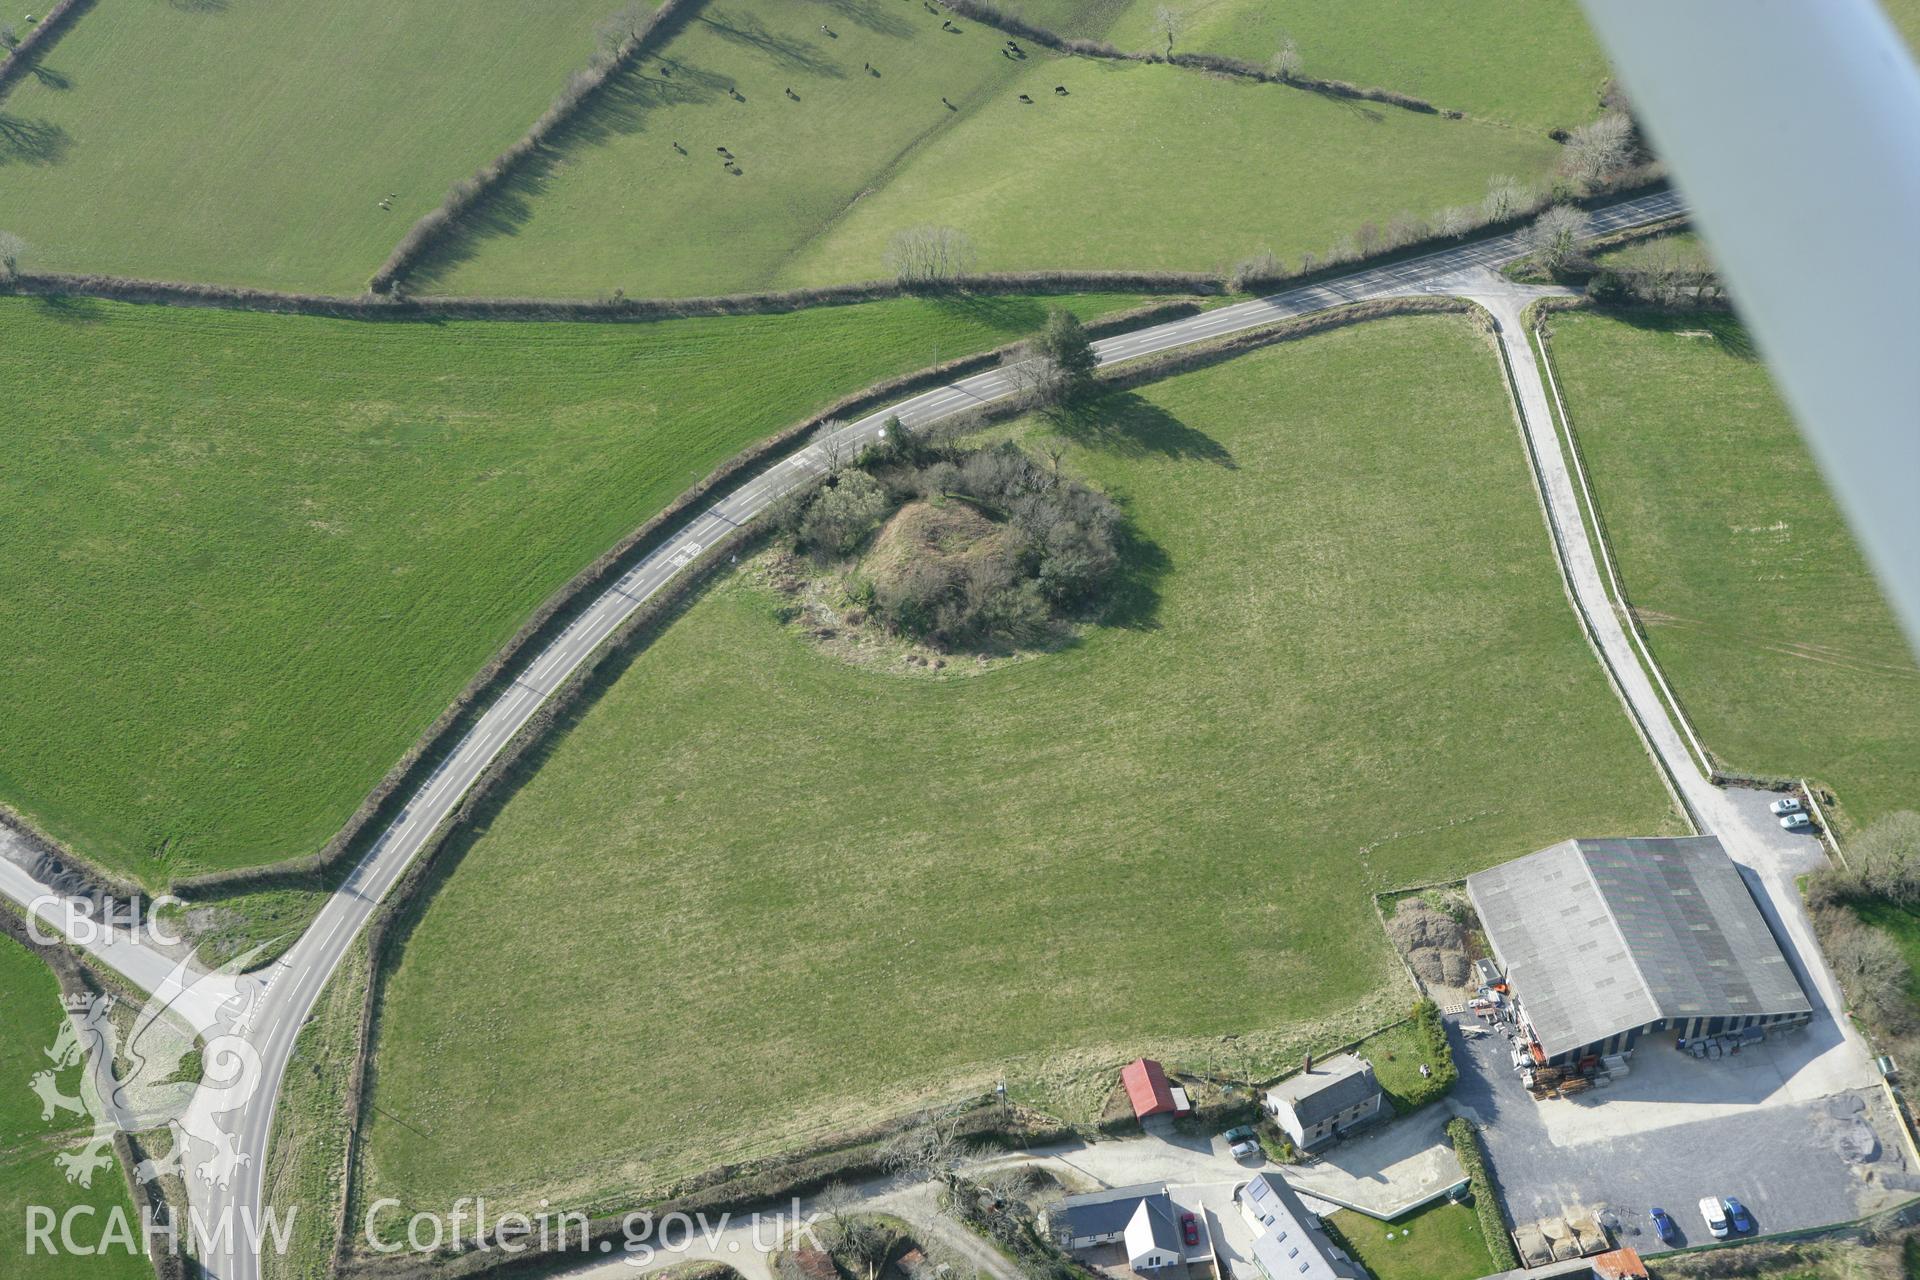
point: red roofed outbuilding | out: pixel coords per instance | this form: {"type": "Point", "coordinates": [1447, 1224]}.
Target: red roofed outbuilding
{"type": "Point", "coordinates": [1148, 1090]}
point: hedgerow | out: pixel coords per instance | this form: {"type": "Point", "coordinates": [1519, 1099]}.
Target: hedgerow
{"type": "Point", "coordinates": [1493, 1225]}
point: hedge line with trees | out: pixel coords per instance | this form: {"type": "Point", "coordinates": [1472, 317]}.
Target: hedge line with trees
{"type": "Point", "coordinates": [624, 36]}
{"type": "Point", "coordinates": [1284, 69]}
{"type": "Point", "coordinates": [1493, 1225]}
{"type": "Point", "coordinates": [1431, 1029]}
{"type": "Point", "coordinates": [22, 51]}
{"type": "Point", "coordinates": [1882, 869]}
{"type": "Point", "coordinates": [310, 871]}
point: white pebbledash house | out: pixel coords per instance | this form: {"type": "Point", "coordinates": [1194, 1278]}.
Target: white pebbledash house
{"type": "Point", "coordinates": [1325, 1100]}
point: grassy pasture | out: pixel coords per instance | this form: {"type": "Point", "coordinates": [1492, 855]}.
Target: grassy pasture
{"type": "Point", "coordinates": [1533, 64]}
{"type": "Point", "coordinates": [1178, 169]}
{"type": "Point", "coordinates": [1138, 167]}
{"type": "Point", "coordinates": [283, 544]}
{"type": "Point", "coordinates": [759, 891]}
{"type": "Point", "coordinates": [1754, 597]}
{"type": "Point", "coordinates": [30, 999]}
{"type": "Point", "coordinates": [252, 143]}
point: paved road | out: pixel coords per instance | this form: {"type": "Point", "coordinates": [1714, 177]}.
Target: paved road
{"type": "Point", "coordinates": [281, 997]}
{"type": "Point", "coordinates": [1769, 858]}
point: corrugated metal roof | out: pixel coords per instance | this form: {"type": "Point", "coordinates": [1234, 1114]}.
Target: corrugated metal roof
{"type": "Point", "coordinates": [1147, 1088]}
{"type": "Point", "coordinates": [1598, 936]}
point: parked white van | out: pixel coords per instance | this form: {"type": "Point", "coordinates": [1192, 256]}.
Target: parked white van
{"type": "Point", "coordinates": [1716, 1215]}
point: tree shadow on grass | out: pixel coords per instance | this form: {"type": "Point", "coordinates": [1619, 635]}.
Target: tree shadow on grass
{"type": "Point", "coordinates": [1130, 425]}
{"type": "Point", "coordinates": [67, 308]}
{"type": "Point", "coordinates": [785, 52]}
{"type": "Point", "coordinates": [24, 141]}
{"type": "Point", "coordinates": [59, 81]}
{"type": "Point", "coordinates": [1009, 314]}
{"type": "Point", "coordinates": [1728, 333]}
{"type": "Point", "coordinates": [619, 109]}
{"type": "Point", "coordinates": [870, 15]}
{"type": "Point", "coordinates": [1134, 602]}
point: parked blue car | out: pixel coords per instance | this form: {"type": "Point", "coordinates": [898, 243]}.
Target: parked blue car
{"type": "Point", "coordinates": [1662, 1225]}
{"type": "Point", "coordinates": [1737, 1215]}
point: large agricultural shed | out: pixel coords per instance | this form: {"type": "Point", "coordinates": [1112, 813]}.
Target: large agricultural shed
{"type": "Point", "coordinates": [1603, 941]}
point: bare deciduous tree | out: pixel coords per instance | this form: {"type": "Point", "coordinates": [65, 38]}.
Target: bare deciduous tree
{"type": "Point", "coordinates": [1404, 228]}
{"type": "Point", "coordinates": [1886, 856]}
{"type": "Point", "coordinates": [1871, 967]}
{"type": "Point", "coordinates": [617, 28]}
{"type": "Point", "coordinates": [834, 449]}
{"type": "Point", "coordinates": [1555, 236]}
{"type": "Point", "coordinates": [12, 249]}
{"type": "Point", "coordinates": [1251, 270]}
{"type": "Point", "coordinates": [1598, 149]}
{"type": "Point", "coordinates": [931, 1151]}
{"type": "Point", "coordinates": [1287, 62]}
{"type": "Point", "coordinates": [1036, 376]}
{"type": "Point", "coordinates": [1505, 195]}
{"type": "Point", "coordinates": [838, 1202]}
{"type": "Point", "coordinates": [929, 254]}
{"type": "Point", "coordinates": [1456, 221]}
{"type": "Point", "coordinates": [1168, 21]}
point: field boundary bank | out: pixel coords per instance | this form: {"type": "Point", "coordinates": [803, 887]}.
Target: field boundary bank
{"type": "Point", "coordinates": [413, 894]}
{"type": "Point", "coordinates": [26, 55]}
{"type": "Point", "coordinates": [602, 310]}
{"type": "Point", "coordinates": [1717, 772]}
{"type": "Point", "coordinates": [991, 15]}
{"type": "Point", "coordinates": [581, 89]}
{"type": "Point", "coordinates": [1587, 628]}
{"type": "Point", "coordinates": [394, 308]}
{"type": "Point", "coordinates": [348, 842]}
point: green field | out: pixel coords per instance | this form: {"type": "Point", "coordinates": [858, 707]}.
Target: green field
{"type": "Point", "coordinates": [757, 891]}
{"type": "Point", "coordinates": [252, 143]}
{"type": "Point", "coordinates": [1754, 598]}
{"type": "Point", "coordinates": [1439, 1242]}
{"type": "Point", "coordinates": [1137, 167]}
{"type": "Point", "coordinates": [282, 545]}
{"type": "Point", "coordinates": [30, 998]}
{"type": "Point", "coordinates": [1529, 63]}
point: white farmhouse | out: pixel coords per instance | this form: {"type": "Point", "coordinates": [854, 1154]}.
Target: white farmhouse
{"type": "Point", "coordinates": [1325, 1099]}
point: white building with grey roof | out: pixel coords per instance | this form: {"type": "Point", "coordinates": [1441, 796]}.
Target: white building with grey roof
{"type": "Point", "coordinates": [1288, 1241]}
{"type": "Point", "coordinates": [1325, 1100]}
{"type": "Point", "coordinates": [1601, 942]}
{"type": "Point", "coordinates": [1141, 1219]}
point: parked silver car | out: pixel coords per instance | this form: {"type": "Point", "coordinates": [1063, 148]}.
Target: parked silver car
{"type": "Point", "coordinates": [1781, 808]}
{"type": "Point", "coordinates": [1796, 822]}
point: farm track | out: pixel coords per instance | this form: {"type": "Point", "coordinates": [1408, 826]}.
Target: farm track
{"type": "Point", "coordinates": [274, 1003]}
